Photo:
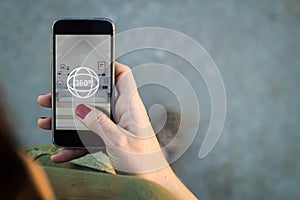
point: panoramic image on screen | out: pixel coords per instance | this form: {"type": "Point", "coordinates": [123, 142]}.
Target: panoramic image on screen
{"type": "Point", "coordinates": [83, 75]}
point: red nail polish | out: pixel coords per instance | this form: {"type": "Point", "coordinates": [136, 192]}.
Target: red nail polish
{"type": "Point", "coordinates": [82, 111]}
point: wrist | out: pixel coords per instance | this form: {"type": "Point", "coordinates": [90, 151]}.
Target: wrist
{"type": "Point", "coordinates": [161, 176]}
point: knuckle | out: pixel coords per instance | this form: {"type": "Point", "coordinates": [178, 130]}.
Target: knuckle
{"type": "Point", "coordinates": [122, 143]}
{"type": "Point", "coordinates": [126, 68]}
{"type": "Point", "coordinates": [101, 117]}
{"type": "Point", "coordinates": [100, 121]}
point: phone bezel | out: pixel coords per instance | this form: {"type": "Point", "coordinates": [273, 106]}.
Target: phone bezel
{"type": "Point", "coordinates": [79, 26]}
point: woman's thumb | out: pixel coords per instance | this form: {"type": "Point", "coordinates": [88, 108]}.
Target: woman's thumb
{"type": "Point", "coordinates": [95, 120]}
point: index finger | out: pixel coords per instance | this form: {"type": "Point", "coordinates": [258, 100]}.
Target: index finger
{"type": "Point", "coordinates": [120, 69]}
{"type": "Point", "coordinates": [125, 83]}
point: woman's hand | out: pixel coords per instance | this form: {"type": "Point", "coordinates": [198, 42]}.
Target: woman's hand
{"type": "Point", "coordinates": [128, 141]}
{"type": "Point", "coordinates": [131, 143]}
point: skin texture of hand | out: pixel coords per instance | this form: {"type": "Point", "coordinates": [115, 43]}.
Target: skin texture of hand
{"type": "Point", "coordinates": [131, 143]}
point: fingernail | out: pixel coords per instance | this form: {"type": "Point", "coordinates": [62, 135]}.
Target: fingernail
{"type": "Point", "coordinates": [43, 117]}
{"type": "Point", "coordinates": [82, 111]}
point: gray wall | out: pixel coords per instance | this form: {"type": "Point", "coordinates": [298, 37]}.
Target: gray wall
{"type": "Point", "coordinates": [256, 46]}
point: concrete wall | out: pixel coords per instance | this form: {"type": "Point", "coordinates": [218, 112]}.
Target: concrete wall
{"type": "Point", "coordinates": [256, 46]}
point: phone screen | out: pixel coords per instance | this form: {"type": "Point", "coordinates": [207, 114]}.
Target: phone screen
{"type": "Point", "coordinates": [79, 56]}
{"type": "Point", "coordinates": [83, 54]}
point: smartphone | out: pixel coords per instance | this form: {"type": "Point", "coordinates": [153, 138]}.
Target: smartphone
{"type": "Point", "coordinates": [83, 53]}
